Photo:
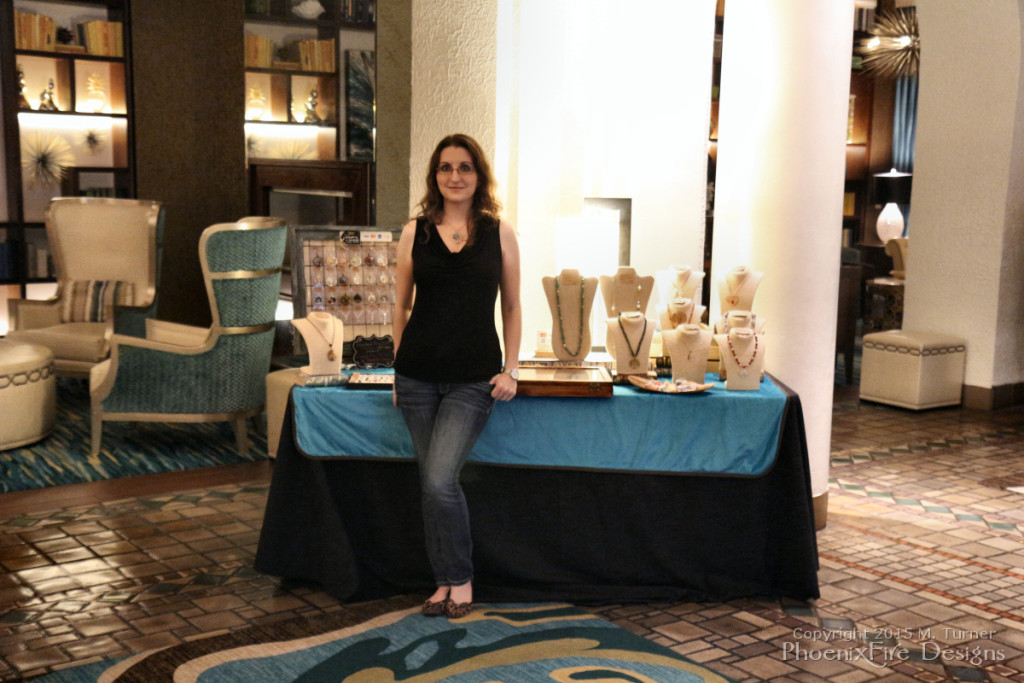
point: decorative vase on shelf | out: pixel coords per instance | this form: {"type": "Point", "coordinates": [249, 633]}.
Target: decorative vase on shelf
{"type": "Point", "coordinates": [308, 9]}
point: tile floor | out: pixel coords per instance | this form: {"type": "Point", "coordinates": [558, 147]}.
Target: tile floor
{"type": "Point", "coordinates": [922, 564]}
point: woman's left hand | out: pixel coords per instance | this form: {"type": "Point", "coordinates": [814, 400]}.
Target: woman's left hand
{"type": "Point", "coordinates": [504, 387]}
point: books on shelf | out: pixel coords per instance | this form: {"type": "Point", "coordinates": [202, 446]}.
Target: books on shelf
{"type": "Point", "coordinates": [105, 38]}
{"type": "Point", "coordinates": [316, 55]}
{"type": "Point", "coordinates": [259, 51]}
{"type": "Point", "coordinates": [34, 31]}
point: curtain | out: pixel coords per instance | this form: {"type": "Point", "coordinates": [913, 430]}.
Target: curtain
{"type": "Point", "coordinates": [904, 124]}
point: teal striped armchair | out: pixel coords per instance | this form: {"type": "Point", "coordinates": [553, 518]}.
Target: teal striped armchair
{"type": "Point", "coordinates": [181, 373]}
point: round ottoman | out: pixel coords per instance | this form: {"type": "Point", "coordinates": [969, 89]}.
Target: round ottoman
{"type": "Point", "coordinates": [28, 394]}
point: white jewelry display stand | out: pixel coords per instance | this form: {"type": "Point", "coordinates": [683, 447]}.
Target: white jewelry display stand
{"type": "Point", "coordinates": [737, 288]}
{"type": "Point", "coordinates": [679, 311]}
{"type": "Point", "coordinates": [625, 291]}
{"type": "Point", "coordinates": [570, 298]}
{"type": "Point", "coordinates": [630, 353]}
{"type": "Point", "coordinates": [688, 346]}
{"type": "Point", "coordinates": [742, 357]}
{"type": "Point", "coordinates": [678, 282]}
{"type": "Point", "coordinates": [324, 335]}
{"type": "Point", "coordinates": [736, 319]}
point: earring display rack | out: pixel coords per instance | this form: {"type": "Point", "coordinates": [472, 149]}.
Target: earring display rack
{"type": "Point", "coordinates": [349, 273]}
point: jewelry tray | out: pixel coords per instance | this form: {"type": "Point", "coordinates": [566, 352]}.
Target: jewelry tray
{"type": "Point", "coordinates": [589, 382]}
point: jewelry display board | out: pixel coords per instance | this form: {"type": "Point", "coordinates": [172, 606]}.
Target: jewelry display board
{"type": "Point", "coordinates": [348, 272]}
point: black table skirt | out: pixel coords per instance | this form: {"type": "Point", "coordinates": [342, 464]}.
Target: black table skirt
{"type": "Point", "coordinates": [354, 527]}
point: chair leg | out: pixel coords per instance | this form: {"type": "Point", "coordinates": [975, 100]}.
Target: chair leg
{"type": "Point", "coordinates": [242, 437]}
{"type": "Point", "coordinates": [97, 432]}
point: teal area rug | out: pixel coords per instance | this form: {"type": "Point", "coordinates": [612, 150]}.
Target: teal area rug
{"type": "Point", "coordinates": [510, 643]}
{"type": "Point", "coordinates": [129, 448]}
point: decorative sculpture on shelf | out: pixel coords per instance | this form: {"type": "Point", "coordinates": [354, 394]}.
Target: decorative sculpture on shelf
{"type": "Point", "coordinates": [256, 104]}
{"type": "Point", "coordinates": [23, 102]}
{"type": "Point", "coordinates": [46, 102]}
{"type": "Point", "coordinates": [311, 103]}
{"type": "Point", "coordinates": [97, 93]}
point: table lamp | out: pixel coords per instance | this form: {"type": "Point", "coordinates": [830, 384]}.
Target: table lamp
{"type": "Point", "coordinates": [891, 189]}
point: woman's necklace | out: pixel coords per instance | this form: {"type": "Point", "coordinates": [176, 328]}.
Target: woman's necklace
{"type": "Point", "coordinates": [561, 327]}
{"type": "Point", "coordinates": [330, 344]}
{"type": "Point", "coordinates": [458, 237]}
{"type": "Point", "coordinates": [743, 367]}
{"type": "Point", "coordinates": [634, 362]}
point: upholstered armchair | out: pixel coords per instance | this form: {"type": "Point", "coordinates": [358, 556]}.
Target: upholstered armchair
{"type": "Point", "coordinates": [181, 373]}
{"type": "Point", "coordinates": [106, 254]}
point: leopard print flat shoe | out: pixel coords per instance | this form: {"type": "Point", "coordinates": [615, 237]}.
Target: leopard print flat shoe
{"type": "Point", "coordinates": [459, 610]}
{"type": "Point", "coordinates": [435, 609]}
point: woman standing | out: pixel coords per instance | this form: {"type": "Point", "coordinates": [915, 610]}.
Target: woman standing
{"type": "Point", "coordinates": [457, 255]}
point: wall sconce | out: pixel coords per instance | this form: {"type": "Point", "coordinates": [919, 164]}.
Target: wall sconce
{"type": "Point", "coordinates": [891, 189]}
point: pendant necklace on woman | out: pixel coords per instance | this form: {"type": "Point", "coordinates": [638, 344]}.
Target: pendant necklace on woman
{"type": "Point", "coordinates": [330, 344]}
{"type": "Point", "coordinates": [634, 361]}
{"type": "Point", "coordinates": [457, 236]}
{"type": "Point", "coordinates": [561, 327]}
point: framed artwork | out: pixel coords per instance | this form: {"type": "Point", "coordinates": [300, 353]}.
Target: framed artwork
{"type": "Point", "coordinates": [360, 95]}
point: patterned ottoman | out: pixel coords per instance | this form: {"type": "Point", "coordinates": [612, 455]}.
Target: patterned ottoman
{"type": "Point", "coordinates": [28, 394]}
{"type": "Point", "coordinates": [914, 370]}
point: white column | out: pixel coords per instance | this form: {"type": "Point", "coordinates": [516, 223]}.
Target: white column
{"type": "Point", "coordinates": [780, 176]}
{"type": "Point", "coordinates": [966, 248]}
{"type": "Point", "coordinates": [454, 78]}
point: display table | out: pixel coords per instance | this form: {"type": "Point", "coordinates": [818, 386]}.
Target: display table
{"type": "Point", "coordinates": [622, 525]}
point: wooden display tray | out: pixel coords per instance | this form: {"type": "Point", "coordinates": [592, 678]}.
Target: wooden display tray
{"type": "Point", "coordinates": [581, 382]}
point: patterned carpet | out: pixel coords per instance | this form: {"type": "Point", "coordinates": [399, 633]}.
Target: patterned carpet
{"type": "Point", "coordinates": [129, 448]}
{"type": "Point", "coordinates": [510, 643]}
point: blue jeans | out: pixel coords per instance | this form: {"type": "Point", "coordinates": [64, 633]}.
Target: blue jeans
{"type": "Point", "coordinates": [444, 421]}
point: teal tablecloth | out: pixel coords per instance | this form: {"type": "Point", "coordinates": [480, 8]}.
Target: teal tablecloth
{"type": "Point", "coordinates": [715, 432]}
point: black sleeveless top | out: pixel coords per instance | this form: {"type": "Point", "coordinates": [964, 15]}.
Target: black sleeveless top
{"type": "Point", "coordinates": [451, 336]}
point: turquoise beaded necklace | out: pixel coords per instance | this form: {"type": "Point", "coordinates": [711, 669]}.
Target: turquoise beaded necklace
{"type": "Point", "coordinates": [561, 326]}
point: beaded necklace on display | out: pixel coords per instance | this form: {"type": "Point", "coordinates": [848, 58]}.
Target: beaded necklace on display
{"type": "Point", "coordinates": [634, 361]}
{"type": "Point", "coordinates": [743, 367]}
{"type": "Point", "coordinates": [561, 327]}
{"type": "Point", "coordinates": [330, 344]}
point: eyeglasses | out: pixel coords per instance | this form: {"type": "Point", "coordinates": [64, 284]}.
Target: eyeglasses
{"type": "Point", "coordinates": [462, 169]}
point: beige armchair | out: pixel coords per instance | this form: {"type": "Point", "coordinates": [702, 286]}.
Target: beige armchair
{"type": "Point", "coordinates": [106, 254]}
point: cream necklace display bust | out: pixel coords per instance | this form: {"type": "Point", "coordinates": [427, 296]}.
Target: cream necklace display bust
{"type": "Point", "coordinates": [687, 346]}
{"type": "Point", "coordinates": [737, 288]}
{"type": "Point", "coordinates": [324, 335]}
{"type": "Point", "coordinates": [570, 298]}
{"type": "Point", "coordinates": [679, 311]}
{"type": "Point", "coordinates": [678, 282]}
{"type": "Point", "coordinates": [734, 319]}
{"type": "Point", "coordinates": [625, 291]}
{"type": "Point", "coordinates": [629, 342]}
{"type": "Point", "coordinates": [742, 356]}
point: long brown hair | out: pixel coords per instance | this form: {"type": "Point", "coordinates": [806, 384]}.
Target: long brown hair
{"type": "Point", "coordinates": [485, 203]}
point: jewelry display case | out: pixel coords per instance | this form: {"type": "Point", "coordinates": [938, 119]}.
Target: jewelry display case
{"type": "Point", "coordinates": [349, 272]}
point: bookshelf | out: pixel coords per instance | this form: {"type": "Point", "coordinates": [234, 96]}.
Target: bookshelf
{"type": "Point", "coordinates": [64, 68]}
{"type": "Point", "coordinates": [309, 79]}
